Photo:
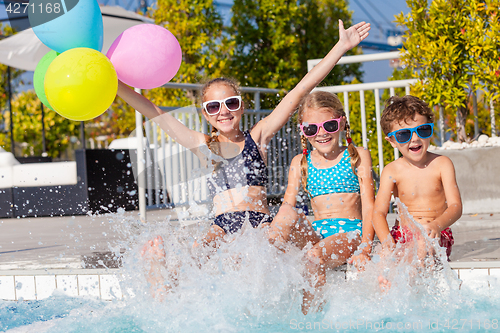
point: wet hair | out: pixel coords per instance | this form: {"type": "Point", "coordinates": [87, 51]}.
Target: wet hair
{"type": "Point", "coordinates": [213, 139]}
{"type": "Point", "coordinates": [399, 109]}
{"type": "Point", "coordinates": [317, 100]}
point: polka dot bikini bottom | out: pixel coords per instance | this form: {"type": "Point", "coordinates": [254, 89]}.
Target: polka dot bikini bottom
{"type": "Point", "coordinates": [329, 227]}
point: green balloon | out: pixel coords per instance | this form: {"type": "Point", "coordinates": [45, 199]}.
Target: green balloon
{"type": "Point", "coordinates": [39, 76]}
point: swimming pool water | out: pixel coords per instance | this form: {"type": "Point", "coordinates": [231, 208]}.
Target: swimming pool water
{"type": "Point", "coordinates": [247, 285]}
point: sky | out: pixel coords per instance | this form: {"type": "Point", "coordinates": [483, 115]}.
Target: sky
{"type": "Point", "coordinates": [380, 13]}
{"type": "Point", "coordinates": [383, 15]}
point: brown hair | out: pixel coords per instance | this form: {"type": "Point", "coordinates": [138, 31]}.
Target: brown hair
{"type": "Point", "coordinates": [399, 109]}
{"type": "Point", "coordinates": [317, 100]}
{"type": "Point", "coordinates": [213, 139]}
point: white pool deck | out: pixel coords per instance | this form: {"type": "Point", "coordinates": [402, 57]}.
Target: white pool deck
{"type": "Point", "coordinates": [39, 256]}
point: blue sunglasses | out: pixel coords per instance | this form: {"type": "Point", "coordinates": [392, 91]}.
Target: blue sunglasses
{"type": "Point", "coordinates": [404, 135]}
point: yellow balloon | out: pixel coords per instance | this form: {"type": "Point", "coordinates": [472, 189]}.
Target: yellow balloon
{"type": "Point", "coordinates": [80, 84]}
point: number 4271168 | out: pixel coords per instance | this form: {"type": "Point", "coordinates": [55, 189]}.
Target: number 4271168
{"type": "Point", "coordinates": [25, 8]}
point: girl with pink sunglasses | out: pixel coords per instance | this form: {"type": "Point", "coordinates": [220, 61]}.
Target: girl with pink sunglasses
{"type": "Point", "coordinates": [338, 181]}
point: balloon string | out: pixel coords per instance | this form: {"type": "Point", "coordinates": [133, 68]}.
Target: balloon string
{"type": "Point", "coordinates": [64, 6]}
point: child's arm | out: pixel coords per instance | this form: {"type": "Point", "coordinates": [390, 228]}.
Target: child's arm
{"type": "Point", "coordinates": [294, 179]}
{"type": "Point", "coordinates": [281, 227]}
{"type": "Point", "coordinates": [453, 200]}
{"type": "Point", "coordinates": [382, 204]}
{"type": "Point", "coordinates": [269, 126]}
{"type": "Point", "coordinates": [367, 193]}
{"type": "Point", "coordinates": [173, 127]}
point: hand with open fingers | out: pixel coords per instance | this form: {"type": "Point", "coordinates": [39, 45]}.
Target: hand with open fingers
{"type": "Point", "coordinates": [359, 260]}
{"type": "Point", "coordinates": [154, 250]}
{"type": "Point", "coordinates": [354, 35]}
{"type": "Point", "coordinates": [433, 231]}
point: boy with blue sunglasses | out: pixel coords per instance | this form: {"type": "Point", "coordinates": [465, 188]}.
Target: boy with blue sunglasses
{"type": "Point", "coordinates": [424, 182]}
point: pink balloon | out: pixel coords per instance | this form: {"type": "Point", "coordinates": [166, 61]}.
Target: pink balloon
{"type": "Point", "coordinates": [145, 56]}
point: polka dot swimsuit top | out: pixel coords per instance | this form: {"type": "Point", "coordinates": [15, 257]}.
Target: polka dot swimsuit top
{"type": "Point", "coordinates": [336, 179]}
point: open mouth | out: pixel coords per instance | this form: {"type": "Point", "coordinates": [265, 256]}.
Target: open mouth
{"type": "Point", "coordinates": [415, 149]}
{"type": "Point", "coordinates": [323, 141]}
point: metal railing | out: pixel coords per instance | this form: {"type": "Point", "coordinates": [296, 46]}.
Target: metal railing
{"type": "Point", "coordinates": [176, 180]}
{"type": "Point", "coordinates": [171, 175]}
{"type": "Point", "coordinates": [361, 89]}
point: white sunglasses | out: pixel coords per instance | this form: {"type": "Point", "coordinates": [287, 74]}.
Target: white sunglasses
{"type": "Point", "coordinates": [232, 103]}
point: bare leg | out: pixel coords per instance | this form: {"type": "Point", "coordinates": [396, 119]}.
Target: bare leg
{"type": "Point", "coordinates": [289, 225]}
{"type": "Point", "coordinates": [153, 254]}
{"type": "Point", "coordinates": [214, 235]}
{"type": "Point", "coordinates": [328, 253]}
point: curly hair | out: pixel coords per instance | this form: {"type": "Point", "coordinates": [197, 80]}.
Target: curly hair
{"type": "Point", "coordinates": [399, 109]}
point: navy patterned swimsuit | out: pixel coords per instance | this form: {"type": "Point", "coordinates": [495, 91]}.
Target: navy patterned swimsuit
{"type": "Point", "coordinates": [245, 169]}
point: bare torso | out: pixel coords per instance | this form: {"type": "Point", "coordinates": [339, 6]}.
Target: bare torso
{"type": "Point", "coordinates": [247, 198]}
{"type": "Point", "coordinates": [334, 205]}
{"type": "Point", "coordinates": [420, 189]}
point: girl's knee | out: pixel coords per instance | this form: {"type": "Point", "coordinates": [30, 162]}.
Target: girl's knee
{"type": "Point", "coordinates": [315, 257]}
{"type": "Point", "coordinates": [287, 212]}
{"type": "Point", "coordinates": [284, 220]}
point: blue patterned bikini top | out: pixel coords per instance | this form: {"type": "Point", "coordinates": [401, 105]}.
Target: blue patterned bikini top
{"type": "Point", "coordinates": [336, 179]}
{"type": "Point", "coordinates": [245, 169]}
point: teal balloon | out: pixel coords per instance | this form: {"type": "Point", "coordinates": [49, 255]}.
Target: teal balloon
{"type": "Point", "coordinates": [39, 77]}
{"type": "Point", "coordinates": [78, 23]}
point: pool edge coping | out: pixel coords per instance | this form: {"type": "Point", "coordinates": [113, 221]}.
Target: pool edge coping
{"type": "Point", "coordinates": [113, 271]}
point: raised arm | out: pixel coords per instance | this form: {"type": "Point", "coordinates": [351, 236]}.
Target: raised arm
{"type": "Point", "coordinates": [173, 127]}
{"type": "Point", "coordinates": [381, 207]}
{"type": "Point", "coordinates": [285, 222]}
{"type": "Point", "coordinates": [267, 127]}
{"type": "Point", "coordinates": [292, 189]}
{"type": "Point", "coordinates": [453, 200]}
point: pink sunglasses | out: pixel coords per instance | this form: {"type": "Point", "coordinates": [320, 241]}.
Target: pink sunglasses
{"type": "Point", "coordinates": [312, 129]}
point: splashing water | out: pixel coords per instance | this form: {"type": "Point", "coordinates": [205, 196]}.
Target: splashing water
{"type": "Point", "coordinates": [247, 285]}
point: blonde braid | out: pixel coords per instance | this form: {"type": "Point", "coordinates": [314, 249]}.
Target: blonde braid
{"type": "Point", "coordinates": [353, 152]}
{"type": "Point", "coordinates": [212, 141]}
{"type": "Point", "coordinates": [303, 164]}
{"type": "Point", "coordinates": [214, 146]}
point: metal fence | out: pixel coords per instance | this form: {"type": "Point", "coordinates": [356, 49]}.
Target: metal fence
{"type": "Point", "coordinates": [175, 178]}
{"type": "Point", "coordinates": [173, 175]}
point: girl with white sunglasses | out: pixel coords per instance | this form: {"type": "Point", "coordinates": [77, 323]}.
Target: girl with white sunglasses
{"type": "Point", "coordinates": [338, 181]}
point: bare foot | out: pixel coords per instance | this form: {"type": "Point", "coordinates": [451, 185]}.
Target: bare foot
{"type": "Point", "coordinates": [384, 284]}
{"type": "Point", "coordinates": [306, 302]}
{"type": "Point", "coordinates": [154, 255]}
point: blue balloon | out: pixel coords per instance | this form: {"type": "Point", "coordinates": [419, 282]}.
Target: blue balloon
{"type": "Point", "coordinates": [79, 23]}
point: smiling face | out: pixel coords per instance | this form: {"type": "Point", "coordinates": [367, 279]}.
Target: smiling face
{"type": "Point", "coordinates": [415, 150]}
{"type": "Point", "coordinates": [225, 121]}
{"type": "Point", "coordinates": [323, 141]}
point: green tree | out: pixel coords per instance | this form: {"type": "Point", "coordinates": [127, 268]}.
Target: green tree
{"type": "Point", "coordinates": [446, 47]}
{"type": "Point", "coordinates": [205, 50]}
{"type": "Point", "coordinates": [117, 122]}
{"type": "Point", "coordinates": [483, 116]}
{"type": "Point", "coordinates": [27, 117]}
{"type": "Point", "coordinates": [274, 39]}
{"type": "Point", "coordinates": [6, 31]}
{"type": "Point", "coordinates": [371, 125]}
{"type": "Point", "coordinates": [487, 33]}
